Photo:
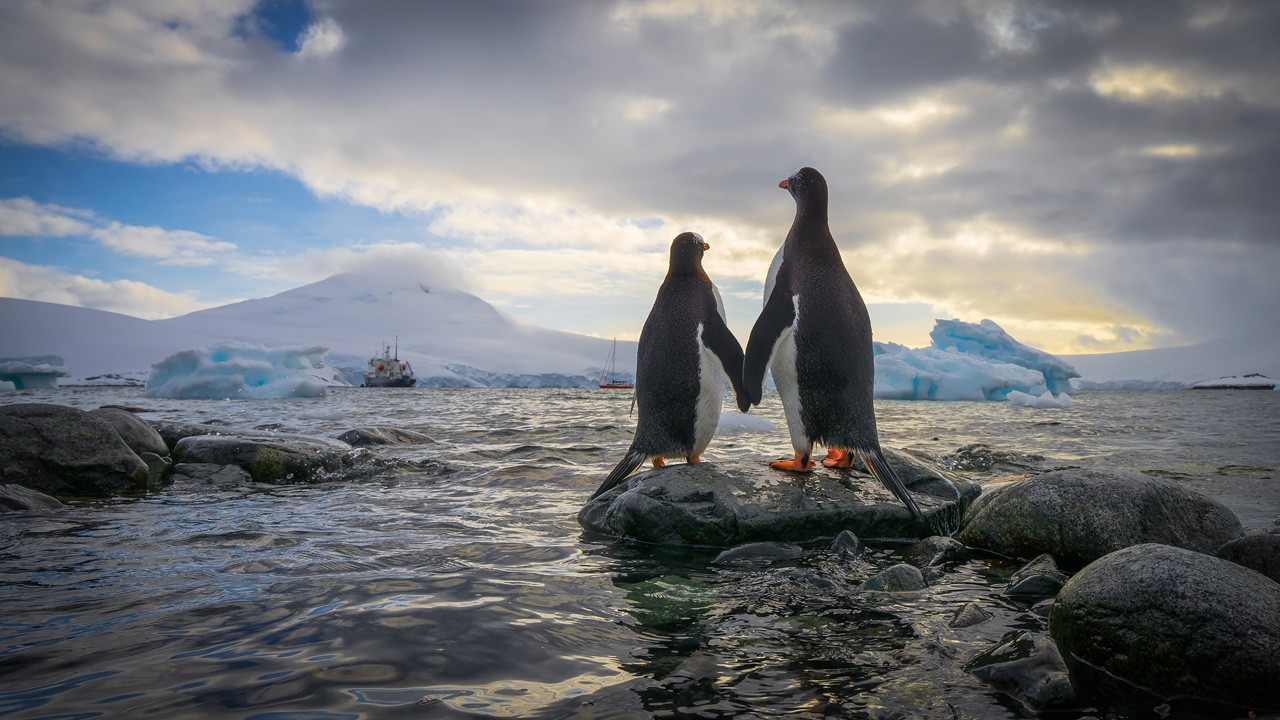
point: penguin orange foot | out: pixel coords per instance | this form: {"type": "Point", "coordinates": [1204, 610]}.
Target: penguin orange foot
{"type": "Point", "coordinates": [838, 458]}
{"type": "Point", "coordinates": [801, 463]}
{"type": "Point", "coordinates": [695, 458]}
{"type": "Point", "coordinates": [659, 462]}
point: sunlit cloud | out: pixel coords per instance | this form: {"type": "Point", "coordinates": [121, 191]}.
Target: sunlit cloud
{"type": "Point", "coordinates": [321, 40]}
{"type": "Point", "coordinates": [46, 284]}
{"type": "Point", "coordinates": [25, 217]}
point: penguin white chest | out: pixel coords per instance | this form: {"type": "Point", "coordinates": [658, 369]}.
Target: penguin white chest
{"type": "Point", "coordinates": [786, 378]}
{"type": "Point", "coordinates": [711, 389]}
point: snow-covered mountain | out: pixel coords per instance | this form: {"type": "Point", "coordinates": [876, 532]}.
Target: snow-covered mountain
{"type": "Point", "coordinates": [451, 337]}
{"type": "Point", "coordinates": [1255, 352]}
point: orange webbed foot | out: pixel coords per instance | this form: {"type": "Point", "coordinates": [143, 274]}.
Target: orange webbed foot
{"type": "Point", "coordinates": [695, 458]}
{"type": "Point", "coordinates": [838, 459]}
{"type": "Point", "coordinates": [659, 462]}
{"type": "Point", "coordinates": [801, 463]}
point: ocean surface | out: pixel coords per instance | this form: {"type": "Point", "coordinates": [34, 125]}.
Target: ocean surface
{"type": "Point", "coordinates": [452, 580]}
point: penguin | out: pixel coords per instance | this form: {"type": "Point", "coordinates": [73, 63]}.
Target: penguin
{"type": "Point", "coordinates": [815, 334]}
{"type": "Point", "coordinates": [685, 354]}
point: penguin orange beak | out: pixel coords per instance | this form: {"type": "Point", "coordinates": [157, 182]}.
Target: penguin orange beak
{"type": "Point", "coordinates": [706, 246]}
{"type": "Point", "coordinates": [783, 184]}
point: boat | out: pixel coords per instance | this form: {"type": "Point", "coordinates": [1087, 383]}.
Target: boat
{"type": "Point", "coordinates": [608, 377]}
{"type": "Point", "coordinates": [388, 370]}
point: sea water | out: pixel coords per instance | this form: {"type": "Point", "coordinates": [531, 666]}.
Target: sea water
{"type": "Point", "coordinates": [451, 579]}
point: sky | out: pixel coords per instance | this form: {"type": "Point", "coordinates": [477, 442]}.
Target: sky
{"type": "Point", "coordinates": [1092, 176]}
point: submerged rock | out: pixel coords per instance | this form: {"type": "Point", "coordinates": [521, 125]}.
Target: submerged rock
{"type": "Point", "coordinates": [65, 451]}
{"type": "Point", "coordinates": [897, 578]}
{"type": "Point", "coordinates": [1081, 514]}
{"type": "Point", "coordinates": [723, 505]}
{"type": "Point", "coordinates": [1027, 667]}
{"type": "Point", "coordinates": [288, 458]}
{"type": "Point", "coordinates": [361, 437]}
{"type": "Point", "coordinates": [845, 544]}
{"type": "Point", "coordinates": [18, 497]}
{"type": "Point", "coordinates": [1038, 579]}
{"type": "Point", "coordinates": [759, 552]}
{"type": "Point", "coordinates": [968, 615]}
{"type": "Point", "coordinates": [1177, 622]}
{"type": "Point", "coordinates": [190, 476]}
{"type": "Point", "coordinates": [933, 551]}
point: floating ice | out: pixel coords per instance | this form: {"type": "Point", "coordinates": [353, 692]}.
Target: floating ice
{"type": "Point", "coordinates": [1238, 382]}
{"type": "Point", "coordinates": [240, 370]}
{"type": "Point", "coordinates": [31, 373]}
{"type": "Point", "coordinates": [744, 423]}
{"type": "Point", "coordinates": [1045, 400]}
{"type": "Point", "coordinates": [968, 362]}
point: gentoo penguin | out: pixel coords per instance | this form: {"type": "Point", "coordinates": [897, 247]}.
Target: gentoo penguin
{"type": "Point", "coordinates": [815, 334]}
{"type": "Point", "coordinates": [686, 352]}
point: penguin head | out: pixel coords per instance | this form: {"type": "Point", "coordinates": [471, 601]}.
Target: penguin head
{"type": "Point", "coordinates": [686, 253]}
{"type": "Point", "coordinates": [808, 187]}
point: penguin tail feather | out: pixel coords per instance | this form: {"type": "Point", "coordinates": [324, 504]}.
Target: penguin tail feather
{"type": "Point", "coordinates": [883, 472]}
{"type": "Point", "coordinates": [632, 460]}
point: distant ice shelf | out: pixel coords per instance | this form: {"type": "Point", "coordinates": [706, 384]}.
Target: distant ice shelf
{"type": "Point", "coordinates": [1252, 381]}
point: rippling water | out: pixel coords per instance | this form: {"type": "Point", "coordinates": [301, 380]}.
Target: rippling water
{"type": "Point", "coordinates": [452, 580]}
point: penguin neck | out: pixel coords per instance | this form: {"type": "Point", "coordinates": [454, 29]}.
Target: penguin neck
{"type": "Point", "coordinates": [811, 230]}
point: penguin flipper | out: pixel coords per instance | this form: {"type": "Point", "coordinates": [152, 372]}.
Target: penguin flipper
{"type": "Point", "coordinates": [778, 315]}
{"type": "Point", "coordinates": [719, 339]}
{"type": "Point", "coordinates": [880, 468]}
{"type": "Point", "coordinates": [632, 460]}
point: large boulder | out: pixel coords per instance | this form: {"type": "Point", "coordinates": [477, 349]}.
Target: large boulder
{"type": "Point", "coordinates": [362, 437]}
{"type": "Point", "coordinates": [18, 497]}
{"type": "Point", "coordinates": [1081, 514]}
{"type": "Point", "coordinates": [278, 459]}
{"type": "Point", "coordinates": [1177, 622]}
{"type": "Point", "coordinates": [136, 432]}
{"type": "Point", "coordinates": [1257, 551]}
{"type": "Point", "coordinates": [64, 451]}
{"type": "Point", "coordinates": [722, 505]}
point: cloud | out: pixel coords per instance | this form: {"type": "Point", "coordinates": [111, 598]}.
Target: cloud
{"type": "Point", "coordinates": [545, 135]}
{"type": "Point", "coordinates": [34, 282]}
{"type": "Point", "coordinates": [28, 218]}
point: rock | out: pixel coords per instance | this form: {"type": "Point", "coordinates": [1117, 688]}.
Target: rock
{"type": "Point", "coordinates": [199, 475]}
{"type": "Point", "coordinates": [1039, 578]}
{"type": "Point", "coordinates": [933, 550]}
{"type": "Point", "coordinates": [968, 615]}
{"type": "Point", "coordinates": [1177, 622]}
{"type": "Point", "coordinates": [722, 505]}
{"type": "Point", "coordinates": [759, 552]}
{"type": "Point", "coordinates": [1257, 551]}
{"type": "Point", "coordinates": [846, 544]}
{"type": "Point", "coordinates": [17, 497]}
{"type": "Point", "coordinates": [1081, 514]}
{"type": "Point", "coordinates": [1028, 667]}
{"type": "Point", "coordinates": [980, 458]}
{"type": "Point", "coordinates": [362, 437]}
{"type": "Point", "coordinates": [278, 458]}
{"type": "Point", "coordinates": [897, 578]}
{"type": "Point", "coordinates": [158, 468]}
{"type": "Point", "coordinates": [64, 451]}
{"type": "Point", "coordinates": [136, 432]}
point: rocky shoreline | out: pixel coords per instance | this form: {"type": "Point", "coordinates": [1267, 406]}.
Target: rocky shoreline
{"type": "Point", "coordinates": [1142, 582]}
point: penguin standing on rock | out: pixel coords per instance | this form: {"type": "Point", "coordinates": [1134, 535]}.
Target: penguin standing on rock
{"type": "Point", "coordinates": [685, 354]}
{"type": "Point", "coordinates": [815, 334]}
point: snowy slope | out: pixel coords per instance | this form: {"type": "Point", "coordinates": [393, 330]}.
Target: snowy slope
{"type": "Point", "coordinates": [450, 337]}
{"type": "Point", "coordinates": [1256, 352]}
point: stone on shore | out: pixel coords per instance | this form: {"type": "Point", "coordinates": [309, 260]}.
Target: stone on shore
{"type": "Point", "coordinates": [722, 505]}
{"type": "Point", "coordinates": [137, 433]}
{"type": "Point", "coordinates": [64, 451]}
{"type": "Point", "coordinates": [277, 459]}
{"type": "Point", "coordinates": [1177, 622]}
{"type": "Point", "coordinates": [1081, 514]}
{"type": "Point", "coordinates": [1027, 667]}
{"type": "Point", "coordinates": [18, 497]}
{"type": "Point", "coordinates": [1257, 551]}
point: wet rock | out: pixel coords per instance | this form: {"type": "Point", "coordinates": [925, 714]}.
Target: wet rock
{"type": "Point", "coordinates": [897, 578]}
{"type": "Point", "coordinates": [933, 550]}
{"type": "Point", "coordinates": [188, 476]}
{"type": "Point", "coordinates": [980, 458]}
{"type": "Point", "coordinates": [1081, 514]}
{"type": "Point", "coordinates": [759, 552]}
{"type": "Point", "coordinates": [158, 468]}
{"type": "Point", "coordinates": [1042, 608]}
{"type": "Point", "coordinates": [968, 615]}
{"type": "Point", "coordinates": [1177, 622]}
{"type": "Point", "coordinates": [274, 459]}
{"type": "Point", "coordinates": [1256, 551]}
{"type": "Point", "coordinates": [1039, 578]}
{"type": "Point", "coordinates": [846, 544]}
{"type": "Point", "coordinates": [363, 437]}
{"type": "Point", "coordinates": [1027, 667]}
{"type": "Point", "coordinates": [17, 497]}
{"type": "Point", "coordinates": [727, 504]}
{"type": "Point", "coordinates": [136, 432]}
{"type": "Point", "coordinates": [64, 451]}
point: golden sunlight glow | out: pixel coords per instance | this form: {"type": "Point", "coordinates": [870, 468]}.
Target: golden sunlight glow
{"type": "Point", "coordinates": [912, 116]}
{"type": "Point", "coordinates": [1138, 83]}
{"type": "Point", "coordinates": [644, 109]}
{"type": "Point", "coordinates": [1171, 151]}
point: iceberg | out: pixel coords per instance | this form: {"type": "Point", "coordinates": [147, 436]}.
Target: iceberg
{"type": "Point", "coordinates": [970, 362]}
{"type": "Point", "coordinates": [241, 370]}
{"type": "Point", "coordinates": [33, 373]}
{"type": "Point", "coordinates": [1044, 400]}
